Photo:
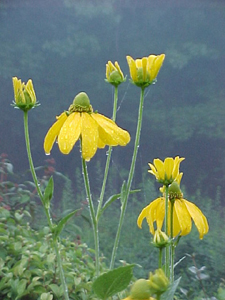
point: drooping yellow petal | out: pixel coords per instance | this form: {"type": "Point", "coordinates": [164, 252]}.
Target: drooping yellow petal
{"type": "Point", "coordinates": [69, 133]}
{"type": "Point", "coordinates": [182, 218]}
{"type": "Point", "coordinates": [90, 136]}
{"type": "Point", "coordinates": [198, 217]}
{"type": "Point", "coordinates": [109, 132]}
{"type": "Point", "coordinates": [53, 132]}
{"type": "Point", "coordinates": [153, 212]}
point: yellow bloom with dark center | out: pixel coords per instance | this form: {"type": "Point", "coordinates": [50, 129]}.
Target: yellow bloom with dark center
{"type": "Point", "coordinates": [24, 94]}
{"type": "Point", "coordinates": [184, 212]}
{"type": "Point", "coordinates": [144, 71]}
{"type": "Point", "coordinates": [114, 75]}
{"type": "Point", "coordinates": [168, 171]}
{"type": "Point", "coordinates": [80, 122]}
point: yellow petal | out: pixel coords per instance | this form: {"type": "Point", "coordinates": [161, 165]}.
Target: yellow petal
{"type": "Point", "coordinates": [90, 136]}
{"type": "Point", "coordinates": [159, 165]}
{"type": "Point", "coordinates": [153, 170]}
{"type": "Point", "coordinates": [182, 218]}
{"type": "Point", "coordinates": [54, 132]}
{"type": "Point", "coordinates": [109, 132]}
{"type": "Point", "coordinates": [156, 66]}
{"type": "Point", "coordinates": [198, 217]}
{"type": "Point", "coordinates": [144, 68]}
{"type": "Point", "coordinates": [169, 164]}
{"type": "Point", "coordinates": [69, 133]}
{"type": "Point", "coordinates": [177, 162]}
{"type": "Point", "coordinates": [132, 67]}
{"type": "Point", "coordinates": [119, 70]}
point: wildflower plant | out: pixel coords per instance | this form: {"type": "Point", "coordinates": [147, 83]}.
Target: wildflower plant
{"type": "Point", "coordinates": [80, 123]}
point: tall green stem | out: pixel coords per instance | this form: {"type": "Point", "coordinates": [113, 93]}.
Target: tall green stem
{"type": "Point", "coordinates": [172, 243]}
{"type": "Point", "coordinates": [32, 169]}
{"type": "Point", "coordinates": [167, 252]}
{"type": "Point", "coordinates": [92, 214]}
{"type": "Point", "coordinates": [130, 178]}
{"type": "Point", "coordinates": [109, 153]}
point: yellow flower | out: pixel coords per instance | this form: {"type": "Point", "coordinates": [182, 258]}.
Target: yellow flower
{"type": "Point", "coordinates": [168, 171]}
{"type": "Point", "coordinates": [184, 212]}
{"type": "Point", "coordinates": [114, 75]}
{"type": "Point", "coordinates": [144, 71]}
{"type": "Point", "coordinates": [94, 130]}
{"type": "Point", "coordinates": [24, 94]}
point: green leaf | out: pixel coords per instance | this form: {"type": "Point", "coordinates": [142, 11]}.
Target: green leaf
{"type": "Point", "coordinates": [46, 296]}
{"type": "Point", "coordinates": [21, 287]}
{"type": "Point", "coordinates": [62, 223]}
{"type": "Point", "coordinates": [48, 193]}
{"type": "Point", "coordinates": [109, 201]}
{"type": "Point", "coordinates": [169, 294]}
{"type": "Point", "coordinates": [112, 282]}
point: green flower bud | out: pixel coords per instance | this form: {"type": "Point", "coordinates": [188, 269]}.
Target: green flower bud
{"type": "Point", "coordinates": [158, 282]}
{"type": "Point", "coordinates": [160, 239]}
{"type": "Point", "coordinates": [81, 103]}
{"type": "Point", "coordinates": [24, 94]}
{"type": "Point", "coordinates": [175, 191]}
{"type": "Point", "coordinates": [140, 290]}
{"type": "Point", "coordinates": [114, 75]}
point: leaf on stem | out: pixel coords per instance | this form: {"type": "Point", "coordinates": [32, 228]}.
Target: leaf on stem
{"type": "Point", "coordinates": [169, 294]}
{"type": "Point", "coordinates": [62, 223]}
{"type": "Point", "coordinates": [48, 193]}
{"type": "Point", "coordinates": [112, 282]}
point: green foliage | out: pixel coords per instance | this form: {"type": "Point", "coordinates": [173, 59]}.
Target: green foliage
{"type": "Point", "coordinates": [112, 282]}
{"type": "Point", "coordinates": [28, 268]}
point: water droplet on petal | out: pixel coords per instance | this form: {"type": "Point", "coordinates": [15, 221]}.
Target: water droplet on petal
{"type": "Point", "coordinates": [47, 153]}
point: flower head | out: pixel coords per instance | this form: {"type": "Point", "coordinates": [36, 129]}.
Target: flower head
{"type": "Point", "coordinates": [184, 212]}
{"type": "Point", "coordinates": [114, 75]}
{"type": "Point", "coordinates": [94, 130]}
{"type": "Point", "coordinates": [24, 94]}
{"type": "Point", "coordinates": [144, 71]}
{"type": "Point", "coordinates": [168, 171]}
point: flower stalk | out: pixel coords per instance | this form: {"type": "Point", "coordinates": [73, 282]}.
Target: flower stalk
{"type": "Point", "coordinates": [47, 212]}
{"type": "Point", "coordinates": [167, 252]}
{"type": "Point", "coordinates": [130, 177]}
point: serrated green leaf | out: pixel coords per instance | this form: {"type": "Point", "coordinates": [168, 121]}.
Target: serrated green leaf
{"type": "Point", "coordinates": [169, 294]}
{"type": "Point", "coordinates": [112, 282]}
{"type": "Point", "coordinates": [48, 193]}
{"type": "Point", "coordinates": [62, 223]}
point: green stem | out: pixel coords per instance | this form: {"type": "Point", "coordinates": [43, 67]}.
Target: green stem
{"type": "Point", "coordinates": [50, 223]}
{"type": "Point", "coordinates": [130, 178]}
{"type": "Point", "coordinates": [172, 244]}
{"type": "Point", "coordinates": [32, 169]}
{"type": "Point", "coordinates": [61, 272]}
{"type": "Point", "coordinates": [167, 252]}
{"type": "Point", "coordinates": [109, 153]}
{"type": "Point", "coordinates": [160, 257]}
{"type": "Point", "coordinates": [92, 213]}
